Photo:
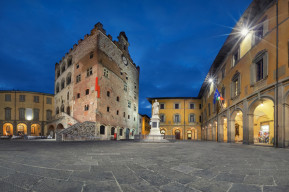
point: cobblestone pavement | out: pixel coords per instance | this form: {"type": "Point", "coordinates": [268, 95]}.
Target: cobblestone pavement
{"type": "Point", "coordinates": [131, 166]}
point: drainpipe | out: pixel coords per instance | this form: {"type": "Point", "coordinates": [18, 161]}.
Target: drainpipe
{"type": "Point", "coordinates": [184, 118]}
{"type": "Point", "coordinates": [277, 78]}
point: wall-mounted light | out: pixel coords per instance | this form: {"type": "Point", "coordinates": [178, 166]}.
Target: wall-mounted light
{"type": "Point", "coordinates": [28, 114]}
{"type": "Point", "coordinates": [244, 31]}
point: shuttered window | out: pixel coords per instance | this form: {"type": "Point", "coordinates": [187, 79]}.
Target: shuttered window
{"type": "Point", "coordinates": [236, 85]}
{"type": "Point", "coordinates": [259, 67]}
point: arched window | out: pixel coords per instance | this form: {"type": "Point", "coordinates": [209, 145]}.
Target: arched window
{"type": "Point", "coordinates": [102, 129]}
{"type": "Point", "coordinates": [69, 61]}
{"type": "Point", "coordinates": [112, 131]}
{"type": "Point", "coordinates": [62, 108]}
{"type": "Point", "coordinates": [68, 79]}
{"type": "Point", "coordinates": [62, 83]}
{"type": "Point", "coordinates": [68, 110]}
{"type": "Point", "coordinates": [63, 68]}
{"type": "Point", "coordinates": [57, 73]}
{"type": "Point", "coordinates": [57, 110]}
{"type": "Point", "coordinates": [57, 88]}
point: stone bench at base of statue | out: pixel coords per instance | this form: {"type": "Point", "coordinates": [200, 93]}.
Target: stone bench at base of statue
{"type": "Point", "coordinates": [155, 139]}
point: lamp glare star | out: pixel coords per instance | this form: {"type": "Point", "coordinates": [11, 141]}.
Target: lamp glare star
{"type": "Point", "coordinates": [244, 31]}
{"type": "Point", "coordinates": [211, 80]}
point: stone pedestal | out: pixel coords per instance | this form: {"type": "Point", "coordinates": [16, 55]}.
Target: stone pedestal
{"type": "Point", "coordinates": [155, 135]}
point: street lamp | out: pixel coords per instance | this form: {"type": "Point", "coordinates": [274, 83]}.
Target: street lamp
{"type": "Point", "coordinates": [244, 31]}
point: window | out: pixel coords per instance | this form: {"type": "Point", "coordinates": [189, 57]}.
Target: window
{"type": "Point", "coordinates": [125, 87]}
{"type": "Point", "coordinates": [105, 72]}
{"type": "Point", "coordinates": [22, 98]}
{"type": "Point", "coordinates": [259, 34]}
{"type": "Point", "coordinates": [67, 95]}
{"type": "Point", "coordinates": [261, 30]}
{"type": "Point", "coordinates": [134, 107]}
{"type": "Point", "coordinates": [62, 108]}
{"type": "Point", "coordinates": [177, 105]}
{"type": "Point", "coordinates": [68, 79]}
{"type": "Point", "coordinates": [236, 57]}
{"type": "Point", "coordinates": [134, 95]}
{"type": "Point", "coordinates": [191, 118]}
{"type": "Point", "coordinates": [78, 95]}
{"type": "Point", "coordinates": [235, 85]}
{"type": "Point", "coordinates": [200, 118]}
{"type": "Point", "coordinates": [48, 100]}
{"type": "Point", "coordinates": [200, 106]}
{"type": "Point", "coordinates": [120, 132]}
{"type": "Point", "coordinates": [123, 114]}
{"type": "Point", "coordinates": [7, 97]}
{"type": "Point", "coordinates": [36, 114]}
{"type": "Point", "coordinates": [77, 66]}
{"type": "Point", "coordinates": [128, 104]}
{"type": "Point", "coordinates": [69, 61]}
{"type": "Point", "coordinates": [7, 113]}
{"type": "Point", "coordinates": [209, 108]}
{"type": "Point", "coordinates": [63, 68]}
{"type": "Point", "coordinates": [57, 88]}
{"type": "Point", "coordinates": [259, 67]}
{"type": "Point", "coordinates": [162, 106]}
{"type": "Point", "coordinates": [21, 114]}
{"type": "Point", "coordinates": [192, 106]}
{"type": "Point", "coordinates": [48, 115]}
{"type": "Point", "coordinates": [36, 99]}
{"type": "Point", "coordinates": [102, 129]}
{"type": "Point", "coordinates": [91, 55]}
{"type": "Point", "coordinates": [89, 72]}
{"type": "Point", "coordinates": [62, 84]}
{"type": "Point", "coordinates": [78, 78]}
{"type": "Point", "coordinates": [107, 109]}
{"type": "Point", "coordinates": [86, 107]}
{"type": "Point", "coordinates": [126, 77]}
{"type": "Point", "coordinates": [68, 110]}
{"type": "Point", "coordinates": [223, 92]}
{"type": "Point", "coordinates": [177, 118]}
{"type": "Point", "coordinates": [87, 92]}
{"type": "Point", "coordinates": [108, 93]}
{"type": "Point", "coordinates": [117, 112]}
{"type": "Point", "coordinates": [117, 98]}
{"type": "Point", "coordinates": [223, 72]}
{"type": "Point", "coordinates": [57, 73]}
{"type": "Point", "coordinates": [57, 110]}
{"type": "Point", "coordinates": [162, 118]}
{"type": "Point", "coordinates": [128, 116]}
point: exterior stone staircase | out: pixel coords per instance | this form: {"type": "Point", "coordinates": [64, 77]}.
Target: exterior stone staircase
{"type": "Point", "coordinates": [78, 132]}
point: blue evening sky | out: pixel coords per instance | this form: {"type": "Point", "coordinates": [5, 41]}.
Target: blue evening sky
{"type": "Point", "coordinates": [173, 41]}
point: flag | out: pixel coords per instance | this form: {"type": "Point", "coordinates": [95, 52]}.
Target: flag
{"type": "Point", "coordinates": [217, 96]}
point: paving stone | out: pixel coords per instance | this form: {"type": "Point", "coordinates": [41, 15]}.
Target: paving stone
{"type": "Point", "coordinates": [4, 186]}
{"type": "Point", "coordinates": [280, 188]}
{"type": "Point", "coordinates": [102, 186]}
{"type": "Point", "coordinates": [185, 169]}
{"type": "Point", "coordinates": [22, 180]}
{"type": "Point", "coordinates": [52, 185]}
{"type": "Point", "coordinates": [173, 187]}
{"type": "Point", "coordinates": [259, 180]}
{"type": "Point", "coordinates": [91, 176]}
{"type": "Point", "coordinates": [210, 186]}
{"type": "Point", "coordinates": [237, 187]}
{"type": "Point", "coordinates": [234, 178]}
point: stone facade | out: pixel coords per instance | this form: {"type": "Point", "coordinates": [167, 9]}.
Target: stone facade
{"type": "Point", "coordinates": [104, 85]}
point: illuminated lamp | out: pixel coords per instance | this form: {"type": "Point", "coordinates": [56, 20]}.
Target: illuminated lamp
{"type": "Point", "coordinates": [28, 114]}
{"type": "Point", "coordinates": [244, 31]}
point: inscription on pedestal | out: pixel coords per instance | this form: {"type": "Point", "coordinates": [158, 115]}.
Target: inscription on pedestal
{"type": "Point", "coordinates": [155, 124]}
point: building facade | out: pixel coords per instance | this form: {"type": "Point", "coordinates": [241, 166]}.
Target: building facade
{"type": "Point", "coordinates": [25, 113]}
{"type": "Point", "coordinates": [180, 116]}
{"type": "Point", "coordinates": [144, 125]}
{"type": "Point", "coordinates": [251, 73]}
{"type": "Point", "coordinates": [98, 81]}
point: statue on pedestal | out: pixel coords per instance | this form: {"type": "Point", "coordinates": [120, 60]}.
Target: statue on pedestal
{"type": "Point", "coordinates": [156, 108]}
